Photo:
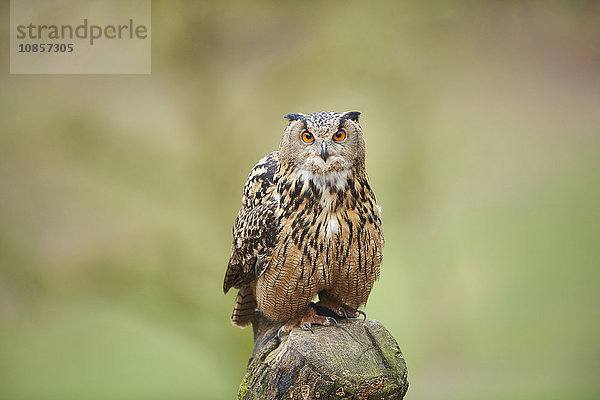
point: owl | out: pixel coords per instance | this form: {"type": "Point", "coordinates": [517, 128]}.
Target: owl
{"type": "Point", "coordinates": [308, 226]}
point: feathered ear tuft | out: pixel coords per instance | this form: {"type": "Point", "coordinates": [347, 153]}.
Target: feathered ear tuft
{"type": "Point", "coordinates": [351, 115]}
{"type": "Point", "coordinates": [294, 117]}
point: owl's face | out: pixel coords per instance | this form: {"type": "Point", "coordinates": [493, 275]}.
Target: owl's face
{"type": "Point", "coordinates": [323, 143]}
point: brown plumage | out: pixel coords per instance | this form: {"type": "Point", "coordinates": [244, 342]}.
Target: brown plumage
{"type": "Point", "coordinates": [309, 225]}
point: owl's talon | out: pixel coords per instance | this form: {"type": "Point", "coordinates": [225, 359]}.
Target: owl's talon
{"type": "Point", "coordinates": [307, 327]}
{"type": "Point", "coordinates": [334, 321]}
{"type": "Point", "coordinates": [364, 314]}
{"type": "Point", "coordinates": [282, 329]}
{"type": "Point", "coordinates": [345, 313]}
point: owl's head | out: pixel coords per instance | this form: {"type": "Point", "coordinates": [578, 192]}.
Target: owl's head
{"type": "Point", "coordinates": [323, 142]}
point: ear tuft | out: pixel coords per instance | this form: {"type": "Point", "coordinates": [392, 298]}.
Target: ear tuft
{"type": "Point", "coordinates": [294, 117]}
{"type": "Point", "coordinates": [352, 115]}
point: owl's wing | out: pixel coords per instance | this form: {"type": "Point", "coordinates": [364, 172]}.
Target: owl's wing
{"type": "Point", "coordinates": [255, 229]}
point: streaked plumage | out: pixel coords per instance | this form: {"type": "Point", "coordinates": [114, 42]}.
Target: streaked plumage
{"type": "Point", "coordinates": [309, 225]}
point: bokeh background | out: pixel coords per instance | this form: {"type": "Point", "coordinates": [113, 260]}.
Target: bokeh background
{"type": "Point", "coordinates": [482, 126]}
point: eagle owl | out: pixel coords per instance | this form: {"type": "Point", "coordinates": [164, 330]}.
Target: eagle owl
{"type": "Point", "coordinates": [309, 225]}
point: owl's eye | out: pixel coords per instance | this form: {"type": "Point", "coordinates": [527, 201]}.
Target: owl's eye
{"type": "Point", "coordinates": [339, 136]}
{"type": "Point", "coordinates": [307, 137]}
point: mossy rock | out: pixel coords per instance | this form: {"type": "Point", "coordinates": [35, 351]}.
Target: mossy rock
{"type": "Point", "coordinates": [356, 360]}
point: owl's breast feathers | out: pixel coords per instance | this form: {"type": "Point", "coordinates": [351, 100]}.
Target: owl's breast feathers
{"type": "Point", "coordinates": [329, 238]}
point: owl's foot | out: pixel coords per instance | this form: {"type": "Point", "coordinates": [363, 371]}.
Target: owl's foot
{"type": "Point", "coordinates": [353, 312]}
{"type": "Point", "coordinates": [328, 306]}
{"type": "Point", "coordinates": [306, 321]}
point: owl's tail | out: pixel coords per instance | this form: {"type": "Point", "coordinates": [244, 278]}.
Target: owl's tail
{"type": "Point", "coordinates": [245, 307]}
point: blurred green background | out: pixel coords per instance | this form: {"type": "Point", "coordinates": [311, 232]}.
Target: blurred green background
{"type": "Point", "coordinates": [482, 126]}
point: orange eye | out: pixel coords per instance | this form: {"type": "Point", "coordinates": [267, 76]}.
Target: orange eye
{"type": "Point", "coordinates": [340, 135]}
{"type": "Point", "coordinates": [307, 137]}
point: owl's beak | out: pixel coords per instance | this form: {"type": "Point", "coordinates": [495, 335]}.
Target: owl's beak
{"type": "Point", "coordinates": [324, 153]}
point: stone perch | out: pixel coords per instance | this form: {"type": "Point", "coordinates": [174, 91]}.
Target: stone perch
{"type": "Point", "coordinates": [357, 360]}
